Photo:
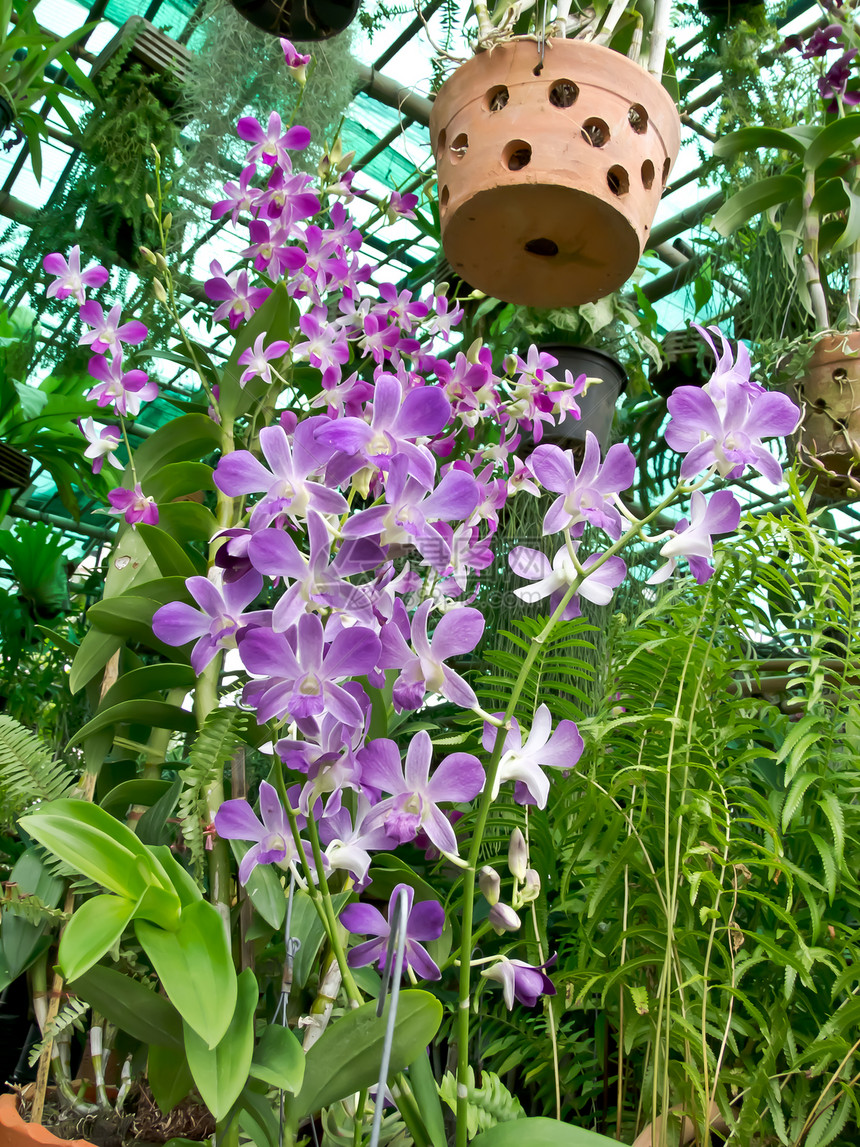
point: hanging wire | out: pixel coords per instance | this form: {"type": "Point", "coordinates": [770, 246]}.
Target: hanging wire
{"type": "Point", "coordinates": [394, 962]}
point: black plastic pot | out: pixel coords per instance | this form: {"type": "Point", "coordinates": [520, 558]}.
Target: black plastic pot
{"type": "Point", "coordinates": [687, 361]}
{"type": "Point", "coordinates": [15, 468]}
{"type": "Point", "coordinates": [597, 405]}
{"type": "Point", "coordinates": [299, 19]}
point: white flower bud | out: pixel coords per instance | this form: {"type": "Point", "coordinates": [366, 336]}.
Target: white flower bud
{"type": "Point", "coordinates": [150, 202]}
{"type": "Point", "coordinates": [503, 919]}
{"type": "Point", "coordinates": [160, 262]}
{"type": "Point", "coordinates": [490, 884]}
{"type": "Point", "coordinates": [168, 220]}
{"type": "Point", "coordinates": [159, 291]}
{"type": "Point", "coordinates": [531, 886]}
{"type": "Point", "coordinates": [518, 855]}
{"type": "Point", "coordinates": [147, 254]}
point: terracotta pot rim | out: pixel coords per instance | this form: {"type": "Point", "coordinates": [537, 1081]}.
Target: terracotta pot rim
{"type": "Point", "coordinates": [16, 1131]}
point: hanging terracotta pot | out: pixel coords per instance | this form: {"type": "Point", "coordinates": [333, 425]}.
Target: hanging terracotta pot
{"type": "Point", "coordinates": [299, 19]}
{"type": "Point", "coordinates": [550, 176]}
{"type": "Point", "coordinates": [828, 438]}
{"type": "Point", "coordinates": [596, 406]}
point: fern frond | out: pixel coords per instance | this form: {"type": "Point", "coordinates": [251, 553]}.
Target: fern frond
{"type": "Point", "coordinates": [71, 1015]}
{"type": "Point", "coordinates": [489, 1104]}
{"type": "Point", "coordinates": [28, 772]}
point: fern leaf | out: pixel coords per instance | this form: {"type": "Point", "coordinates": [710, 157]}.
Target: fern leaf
{"type": "Point", "coordinates": [28, 772]}
{"type": "Point", "coordinates": [489, 1104]}
{"type": "Point", "coordinates": [71, 1015]}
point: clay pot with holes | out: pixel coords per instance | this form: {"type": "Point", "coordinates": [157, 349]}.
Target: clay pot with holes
{"type": "Point", "coordinates": [828, 438]}
{"type": "Point", "coordinates": [550, 176]}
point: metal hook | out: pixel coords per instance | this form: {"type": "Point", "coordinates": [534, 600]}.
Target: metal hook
{"type": "Point", "coordinates": [395, 958]}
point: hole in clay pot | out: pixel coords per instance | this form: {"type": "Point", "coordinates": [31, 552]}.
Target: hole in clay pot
{"type": "Point", "coordinates": [563, 93]}
{"type": "Point", "coordinates": [542, 247]}
{"type": "Point", "coordinates": [647, 174]}
{"type": "Point", "coordinates": [839, 424]}
{"type": "Point", "coordinates": [595, 132]}
{"type": "Point", "coordinates": [618, 180]}
{"type": "Point", "coordinates": [444, 197]}
{"type": "Point", "coordinates": [517, 155]}
{"type": "Point", "coordinates": [497, 98]}
{"type": "Point", "coordinates": [637, 117]}
{"type": "Point", "coordinates": [840, 376]}
{"type": "Point", "coordinates": [667, 167]}
{"type": "Point", "coordinates": [820, 404]}
{"type": "Point", "coordinates": [459, 146]}
{"type": "Point", "coordinates": [442, 141]}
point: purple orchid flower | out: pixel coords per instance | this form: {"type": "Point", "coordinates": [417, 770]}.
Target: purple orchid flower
{"type": "Point", "coordinates": [107, 332]}
{"type": "Point", "coordinates": [216, 624]}
{"type": "Point", "coordinates": [725, 431]}
{"type": "Point", "coordinates": [272, 836]}
{"type": "Point", "coordinates": [348, 844]}
{"type": "Point", "coordinates": [70, 279]}
{"type": "Point", "coordinates": [133, 505]}
{"type": "Point", "coordinates": [296, 62]}
{"type": "Point", "coordinates": [302, 676]}
{"type": "Point", "coordinates": [287, 197]}
{"type": "Point", "coordinates": [239, 298]}
{"type": "Point", "coordinates": [102, 441]}
{"type": "Point", "coordinates": [833, 85]}
{"type": "Point", "coordinates": [822, 41]}
{"type": "Point", "coordinates": [271, 144]}
{"type": "Point", "coordinates": [425, 921]}
{"type": "Point", "coordinates": [555, 580]}
{"type": "Point", "coordinates": [241, 196]}
{"type": "Point", "coordinates": [422, 668]}
{"type": "Point", "coordinates": [258, 360]}
{"type": "Point", "coordinates": [693, 539]}
{"type": "Point", "coordinates": [288, 488]}
{"type": "Point", "coordinates": [521, 981]}
{"type": "Point", "coordinates": [415, 795]}
{"type": "Point", "coordinates": [524, 763]}
{"type": "Point", "coordinates": [400, 206]}
{"type": "Point", "coordinates": [585, 496]}
{"type": "Point", "coordinates": [324, 347]}
{"type": "Point", "coordinates": [127, 390]}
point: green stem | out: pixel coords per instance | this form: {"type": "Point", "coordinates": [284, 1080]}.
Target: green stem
{"type": "Point", "coordinates": [334, 928]}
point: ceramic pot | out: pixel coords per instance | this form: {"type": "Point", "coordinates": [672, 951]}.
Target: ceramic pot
{"type": "Point", "coordinates": [14, 1132]}
{"type": "Point", "coordinates": [829, 397]}
{"type": "Point", "coordinates": [597, 405]}
{"type": "Point", "coordinates": [15, 468]}
{"type": "Point", "coordinates": [550, 177]}
{"type": "Point", "coordinates": [299, 19]}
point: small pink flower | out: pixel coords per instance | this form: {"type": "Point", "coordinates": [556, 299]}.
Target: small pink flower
{"type": "Point", "coordinates": [103, 440]}
{"type": "Point", "coordinates": [257, 359]}
{"type": "Point", "coordinates": [296, 62]}
{"type": "Point", "coordinates": [107, 334]}
{"type": "Point", "coordinates": [70, 279]}
{"type": "Point", "coordinates": [134, 505]}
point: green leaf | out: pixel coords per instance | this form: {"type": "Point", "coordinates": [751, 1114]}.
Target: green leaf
{"type": "Point", "coordinates": [195, 966]}
{"type": "Point", "coordinates": [347, 1056]}
{"type": "Point", "coordinates": [308, 928]}
{"type": "Point", "coordinates": [752, 138]}
{"type": "Point", "coordinates": [178, 479]}
{"type": "Point", "coordinates": [851, 232]}
{"type": "Point", "coordinates": [187, 521]}
{"type": "Point", "coordinates": [279, 1059]}
{"type": "Point", "coordinates": [20, 940]}
{"type": "Point", "coordinates": [221, 1071]}
{"type": "Point", "coordinates": [182, 880]}
{"type": "Point", "coordinates": [172, 559]}
{"type": "Point", "coordinates": [751, 201]}
{"type": "Point", "coordinates": [540, 1132]}
{"type": "Point", "coordinates": [131, 1006]}
{"type": "Point", "coordinates": [140, 791]}
{"type": "Point", "coordinates": [130, 617]}
{"type": "Point", "coordinates": [96, 650]}
{"type": "Point", "coordinates": [146, 680]}
{"type": "Point", "coordinates": [185, 439]}
{"type": "Point", "coordinates": [427, 1098]}
{"type": "Point", "coordinates": [158, 714]}
{"type": "Point", "coordinates": [168, 1075]}
{"type": "Point", "coordinates": [152, 827]}
{"type": "Point", "coordinates": [833, 140]}
{"type": "Point", "coordinates": [263, 887]}
{"type": "Point", "coordinates": [93, 929]}
{"type": "Point", "coordinates": [257, 1120]}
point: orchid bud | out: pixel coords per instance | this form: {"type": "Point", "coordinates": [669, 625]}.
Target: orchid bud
{"type": "Point", "coordinates": [490, 884]}
{"type": "Point", "coordinates": [441, 290]}
{"type": "Point", "coordinates": [150, 202]}
{"type": "Point", "coordinates": [168, 220]}
{"type": "Point", "coordinates": [474, 350]}
{"type": "Point", "coordinates": [503, 919]}
{"type": "Point", "coordinates": [509, 363]}
{"type": "Point", "coordinates": [531, 886]}
{"type": "Point", "coordinates": [518, 855]}
{"type": "Point", "coordinates": [160, 261]}
{"type": "Point", "coordinates": [147, 254]}
{"type": "Point", "coordinates": [159, 291]}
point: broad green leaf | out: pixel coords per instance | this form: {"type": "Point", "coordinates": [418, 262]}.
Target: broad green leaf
{"type": "Point", "coordinates": [130, 617]}
{"type": "Point", "coordinates": [279, 1059]}
{"type": "Point", "coordinates": [146, 680]}
{"type": "Point", "coordinates": [257, 1119]}
{"type": "Point", "coordinates": [187, 522]}
{"type": "Point", "coordinates": [158, 714]}
{"type": "Point", "coordinates": [347, 1056]}
{"type": "Point", "coordinates": [130, 563]}
{"type": "Point", "coordinates": [834, 139]}
{"type": "Point", "coordinates": [751, 201]}
{"type": "Point", "coordinates": [97, 845]}
{"type": "Point", "coordinates": [20, 941]}
{"type": "Point", "coordinates": [142, 1012]}
{"type": "Point", "coordinates": [220, 1072]}
{"type": "Point", "coordinates": [851, 233]}
{"type": "Point", "coordinates": [93, 930]}
{"type": "Point", "coordinates": [752, 138]}
{"type": "Point", "coordinates": [96, 650]}
{"type": "Point", "coordinates": [263, 887]}
{"type": "Point", "coordinates": [173, 560]}
{"type": "Point", "coordinates": [540, 1132]}
{"type": "Point", "coordinates": [182, 881]}
{"type": "Point", "coordinates": [179, 479]}
{"type": "Point", "coordinates": [426, 1095]}
{"type": "Point", "coordinates": [141, 792]}
{"type": "Point", "coordinates": [185, 439]}
{"type": "Point", "coordinates": [152, 827]}
{"type": "Point", "coordinates": [196, 968]}
{"type": "Point", "coordinates": [168, 1075]}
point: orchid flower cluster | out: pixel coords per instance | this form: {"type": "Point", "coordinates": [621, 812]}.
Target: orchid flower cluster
{"type": "Point", "coordinates": [409, 448]}
{"type": "Point", "coordinates": [839, 35]}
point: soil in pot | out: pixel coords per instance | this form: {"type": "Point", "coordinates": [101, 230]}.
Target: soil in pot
{"type": "Point", "coordinates": [550, 176]}
{"type": "Point", "coordinates": [828, 438]}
